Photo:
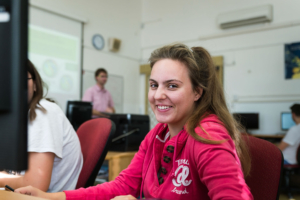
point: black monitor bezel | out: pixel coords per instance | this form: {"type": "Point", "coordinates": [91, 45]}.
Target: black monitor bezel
{"type": "Point", "coordinates": [69, 112]}
{"type": "Point", "coordinates": [243, 113]}
{"type": "Point", "coordinates": [13, 126]}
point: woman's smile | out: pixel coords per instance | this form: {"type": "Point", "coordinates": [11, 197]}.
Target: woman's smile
{"type": "Point", "coordinates": [163, 108]}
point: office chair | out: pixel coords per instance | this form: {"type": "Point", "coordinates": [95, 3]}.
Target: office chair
{"type": "Point", "coordinates": [266, 168]}
{"type": "Point", "coordinates": [290, 170]}
{"type": "Point", "coordinates": [95, 136]}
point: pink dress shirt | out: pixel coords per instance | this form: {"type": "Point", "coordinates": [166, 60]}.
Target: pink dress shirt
{"type": "Point", "coordinates": [101, 98]}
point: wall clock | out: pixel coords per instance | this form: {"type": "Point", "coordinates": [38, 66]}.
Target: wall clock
{"type": "Point", "coordinates": [98, 41]}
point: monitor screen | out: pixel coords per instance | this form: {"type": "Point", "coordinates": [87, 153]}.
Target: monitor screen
{"type": "Point", "coordinates": [287, 121]}
{"type": "Point", "coordinates": [13, 84]}
{"type": "Point", "coordinates": [136, 125]}
{"type": "Point", "coordinates": [248, 120]}
{"type": "Point", "coordinates": [78, 112]}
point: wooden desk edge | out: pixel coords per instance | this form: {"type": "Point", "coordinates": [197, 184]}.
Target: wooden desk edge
{"type": "Point", "coordinates": [266, 136]}
{"type": "Point", "coordinates": [15, 196]}
{"type": "Point", "coordinates": [115, 154]}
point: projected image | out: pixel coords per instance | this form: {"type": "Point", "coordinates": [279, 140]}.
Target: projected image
{"type": "Point", "coordinates": [54, 47]}
{"type": "Point", "coordinates": [50, 68]}
{"type": "Point", "coordinates": [56, 55]}
{"type": "Point", "coordinates": [66, 83]}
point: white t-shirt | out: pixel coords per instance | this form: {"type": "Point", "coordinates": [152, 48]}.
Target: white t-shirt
{"type": "Point", "coordinates": [293, 139]}
{"type": "Point", "coordinates": [52, 132]}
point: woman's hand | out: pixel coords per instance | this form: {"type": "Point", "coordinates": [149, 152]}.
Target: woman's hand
{"type": "Point", "coordinates": [32, 191]}
{"type": "Point", "coordinates": [125, 197]}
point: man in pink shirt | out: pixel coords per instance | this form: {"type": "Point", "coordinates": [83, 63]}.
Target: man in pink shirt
{"type": "Point", "coordinates": [99, 96]}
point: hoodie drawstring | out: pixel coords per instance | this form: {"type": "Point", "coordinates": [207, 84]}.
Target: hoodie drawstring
{"type": "Point", "coordinates": [174, 155]}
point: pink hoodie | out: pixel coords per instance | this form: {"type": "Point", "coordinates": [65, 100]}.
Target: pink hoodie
{"type": "Point", "coordinates": [188, 169]}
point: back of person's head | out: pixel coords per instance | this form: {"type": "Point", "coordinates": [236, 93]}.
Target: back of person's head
{"type": "Point", "coordinates": [296, 109]}
{"type": "Point", "coordinates": [100, 70]}
{"type": "Point", "coordinates": [202, 73]}
{"type": "Point", "coordinates": [38, 93]}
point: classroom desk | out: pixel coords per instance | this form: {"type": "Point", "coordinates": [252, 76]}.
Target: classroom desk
{"type": "Point", "coordinates": [117, 161]}
{"type": "Point", "coordinates": [270, 138]}
{"type": "Point", "coordinates": [6, 195]}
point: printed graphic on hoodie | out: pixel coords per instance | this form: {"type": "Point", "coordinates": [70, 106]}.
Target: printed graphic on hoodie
{"type": "Point", "coordinates": [181, 174]}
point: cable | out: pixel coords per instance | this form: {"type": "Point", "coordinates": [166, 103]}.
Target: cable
{"type": "Point", "coordinates": [125, 135]}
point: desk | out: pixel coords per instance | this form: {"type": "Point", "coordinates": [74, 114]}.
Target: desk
{"type": "Point", "coordinates": [270, 138]}
{"type": "Point", "coordinates": [117, 161]}
{"type": "Point", "coordinates": [15, 196]}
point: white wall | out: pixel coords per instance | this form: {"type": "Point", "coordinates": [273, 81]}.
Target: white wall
{"type": "Point", "coordinates": [254, 61]}
{"type": "Point", "coordinates": [168, 21]}
{"type": "Point", "coordinates": [114, 18]}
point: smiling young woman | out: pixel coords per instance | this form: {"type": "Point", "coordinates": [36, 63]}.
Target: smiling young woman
{"type": "Point", "coordinates": [171, 94]}
{"type": "Point", "coordinates": [194, 152]}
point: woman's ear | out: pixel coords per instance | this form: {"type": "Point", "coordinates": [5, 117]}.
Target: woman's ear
{"type": "Point", "coordinates": [198, 93]}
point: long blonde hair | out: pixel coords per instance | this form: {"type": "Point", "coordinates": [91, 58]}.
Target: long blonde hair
{"type": "Point", "coordinates": [203, 75]}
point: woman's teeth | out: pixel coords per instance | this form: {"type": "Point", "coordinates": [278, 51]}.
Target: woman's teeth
{"type": "Point", "coordinates": [163, 107]}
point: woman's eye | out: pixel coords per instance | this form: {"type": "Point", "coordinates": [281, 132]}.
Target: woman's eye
{"type": "Point", "coordinates": [153, 85]}
{"type": "Point", "coordinates": [172, 86]}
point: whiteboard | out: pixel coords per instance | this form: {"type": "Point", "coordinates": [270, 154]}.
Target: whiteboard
{"type": "Point", "coordinates": [114, 84]}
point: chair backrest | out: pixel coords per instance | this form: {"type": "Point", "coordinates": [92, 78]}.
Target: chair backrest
{"type": "Point", "coordinates": [266, 168]}
{"type": "Point", "coordinates": [95, 137]}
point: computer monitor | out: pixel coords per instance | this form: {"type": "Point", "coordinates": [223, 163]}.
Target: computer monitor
{"type": "Point", "coordinates": [13, 84]}
{"type": "Point", "coordinates": [248, 120]}
{"type": "Point", "coordinates": [131, 129]}
{"type": "Point", "coordinates": [78, 112]}
{"type": "Point", "coordinates": [286, 121]}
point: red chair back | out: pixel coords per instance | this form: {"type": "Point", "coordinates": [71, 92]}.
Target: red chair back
{"type": "Point", "coordinates": [266, 167]}
{"type": "Point", "coordinates": [95, 137]}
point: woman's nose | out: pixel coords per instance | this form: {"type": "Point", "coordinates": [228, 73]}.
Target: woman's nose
{"type": "Point", "coordinates": [160, 93]}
